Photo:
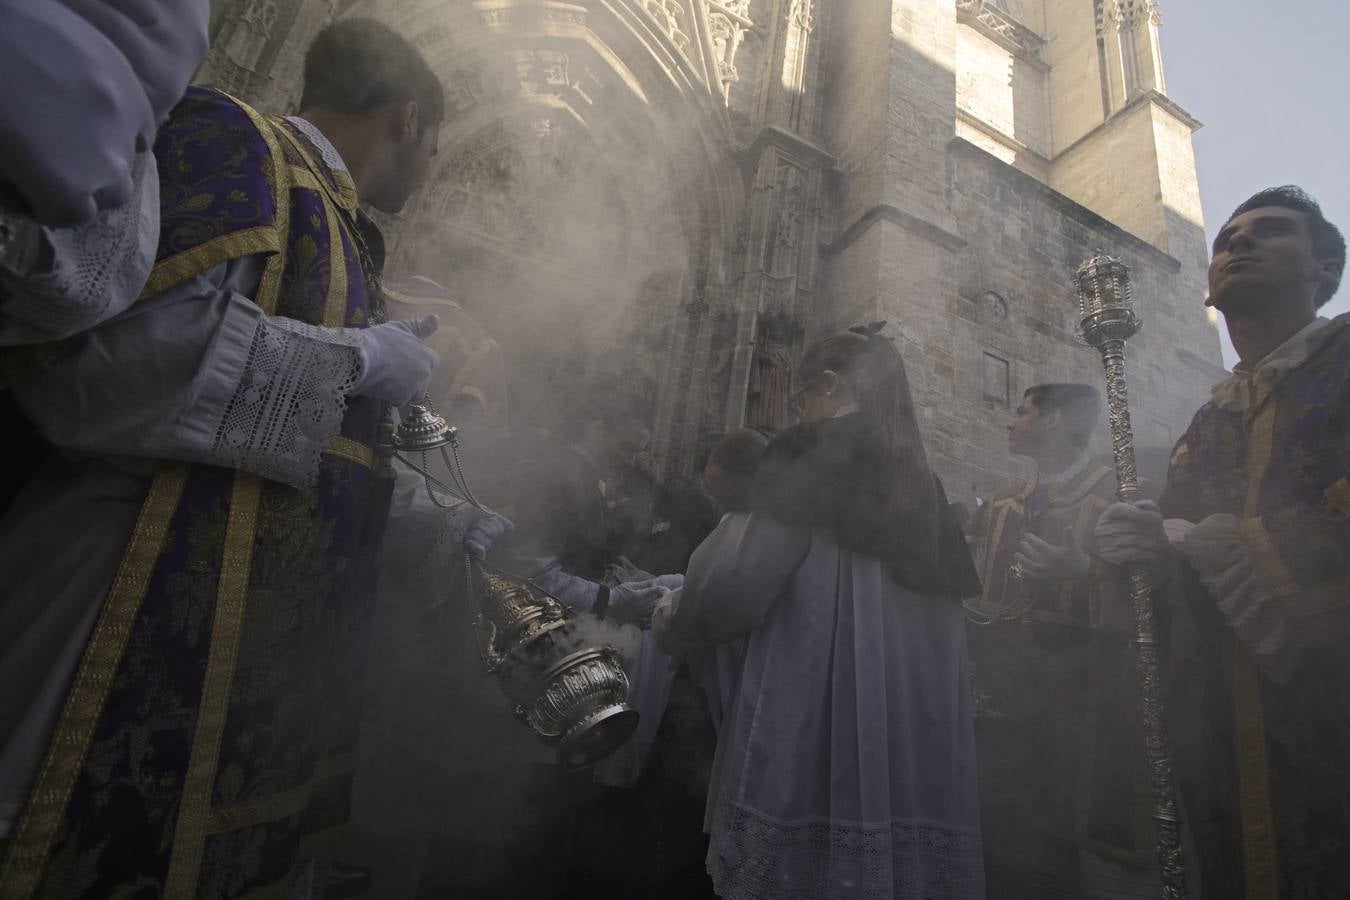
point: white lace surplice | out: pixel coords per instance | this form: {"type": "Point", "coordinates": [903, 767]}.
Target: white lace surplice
{"type": "Point", "coordinates": [845, 765]}
{"type": "Point", "coordinates": [200, 374]}
{"type": "Point", "coordinates": [56, 282]}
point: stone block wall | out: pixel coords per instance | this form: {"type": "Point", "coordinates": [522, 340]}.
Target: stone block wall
{"type": "Point", "coordinates": [1012, 322]}
{"type": "Point", "coordinates": [1113, 171]}
{"type": "Point", "coordinates": [1075, 78]}
{"type": "Point", "coordinates": [1002, 90]}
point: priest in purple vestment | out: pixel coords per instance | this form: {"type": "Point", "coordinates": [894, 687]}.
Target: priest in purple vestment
{"type": "Point", "coordinates": [186, 583]}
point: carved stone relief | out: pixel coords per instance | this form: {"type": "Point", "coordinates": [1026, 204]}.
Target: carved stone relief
{"type": "Point", "coordinates": [671, 18]}
{"type": "Point", "coordinates": [772, 368]}
{"type": "Point", "coordinates": [790, 185]}
{"type": "Point", "coordinates": [727, 26]}
{"type": "Point", "coordinates": [992, 308]}
{"type": "Point", "coordinates": [996, 21]}
{"type": "Point", "coordinates": [1126, 15]}
{"type": "Point", "coordinates": [540, 71]}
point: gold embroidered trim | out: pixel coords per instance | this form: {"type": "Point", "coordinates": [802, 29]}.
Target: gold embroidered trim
{"type": "Point", "coordinates": [1260, 863]}
{"type": "Point", "coordinates": [236, 567]}
{"type": "Point", "coordinates": [1087, 485]}
{"type": "Point", "coordinates": [335, 308]}
{"type": "Point", "coordinates": [352, 451]}
{"type": "Point", "coordinates": [182, 266]}
{"type": "Point", "coordinates": [344, 196]}
{"type": "Point", "coordinates": [259, 239]}
{"type": "Point", "coordinates": [31, 841]}
{"type": "Point", "coordinates": [269, 290]}
{"type": "Point", "coordinates": [1260, 860]}
{"type": "Point", "coordinates": [995, 584]}
{"type": "Point", "coordinates": [281, 805]}
{"type": "Point", "coordinates": [302, 177]}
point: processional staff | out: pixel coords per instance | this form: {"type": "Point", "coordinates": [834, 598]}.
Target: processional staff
{"type": "Point", "coordinates": [1108, 320]}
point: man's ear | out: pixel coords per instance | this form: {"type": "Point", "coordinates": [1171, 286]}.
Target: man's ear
{"type": "Point", "coordinates": [1051, 420]}
{"type": "Point", "coordinates": [406, 121]}
{"type": "Point", "coordinates": [1331, 270]}
{"type": "Point", "coordinates": [829, 381]}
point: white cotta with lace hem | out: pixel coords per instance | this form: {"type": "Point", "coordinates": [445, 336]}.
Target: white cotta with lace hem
{"type": "Point", "coordinates": [845, 764]}
{"type": "Point", "coordinates": [755, 857]}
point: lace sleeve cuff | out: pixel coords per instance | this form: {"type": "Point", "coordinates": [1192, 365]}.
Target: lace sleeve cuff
{"type": "Point", "coordinates": [56, 282]}
{"type": "Point", "coordinates": [288, 401]}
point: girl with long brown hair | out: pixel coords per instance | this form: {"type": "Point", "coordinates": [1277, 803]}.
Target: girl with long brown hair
{"type": "Point", "coordinates": [845, 764]}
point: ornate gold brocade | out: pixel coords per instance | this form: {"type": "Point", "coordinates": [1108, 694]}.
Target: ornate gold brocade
{"type": "Point", "coordinates": [1253, 771]}
{"type": "Point", "coordinates": [353, 451]}
{"type": "Point", "coordinates": [281, 805]}
{"type": "Point", "coordinates": [235, 569]}
{"type": "Point", "coordinates": [30, 843]}
{"type": "Point", "coordinates": [269, 239]}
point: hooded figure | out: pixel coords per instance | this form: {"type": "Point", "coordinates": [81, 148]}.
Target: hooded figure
{"type": "Point", "coordinates": [845, 764]}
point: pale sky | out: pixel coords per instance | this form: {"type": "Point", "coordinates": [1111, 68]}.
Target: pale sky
{"type": "Point", "coordinates": [1268, 80]}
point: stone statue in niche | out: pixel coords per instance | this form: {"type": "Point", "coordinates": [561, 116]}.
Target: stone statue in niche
{"type": "Point", "coordinates": [770, 384]}
{"type": "Point", "coordinates": [726, 39]}
{"type": "Point", "coordinates": [800, 15]}
{"type": "Point", "coordinates": [788, 227]}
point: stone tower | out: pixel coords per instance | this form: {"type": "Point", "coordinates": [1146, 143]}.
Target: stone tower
{"type": "Point", "coordinates": [659, 202]}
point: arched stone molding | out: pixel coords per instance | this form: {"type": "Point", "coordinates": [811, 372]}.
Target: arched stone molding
{"type": "Point", "coordinates": [586, 180]}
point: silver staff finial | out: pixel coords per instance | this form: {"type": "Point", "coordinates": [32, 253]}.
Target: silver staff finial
{"type": "Point", "coordinates": [1105, 301]}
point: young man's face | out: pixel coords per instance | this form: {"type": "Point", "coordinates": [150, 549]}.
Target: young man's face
{"type": "Point", "coordinates": [1263, 257]}
{"type": "Point", "coordinates": [1027, 432]}
{"type": "Point", "coordinates": [406, 157]}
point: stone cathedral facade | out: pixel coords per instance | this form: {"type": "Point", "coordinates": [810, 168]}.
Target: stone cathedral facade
{"type": "Point", "coordinates": [659, 202]}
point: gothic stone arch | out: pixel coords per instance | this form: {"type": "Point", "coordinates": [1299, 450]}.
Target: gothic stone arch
{"type": "Point", "coordinates": [581, 201]}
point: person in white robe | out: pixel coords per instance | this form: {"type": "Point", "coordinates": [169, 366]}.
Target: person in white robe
{"type": "Point", "coordinates": [845, 764]}
{"type": "Point", "coordinates": [79, 192]}
{"type": "Point", "coordinates": [87, 84]}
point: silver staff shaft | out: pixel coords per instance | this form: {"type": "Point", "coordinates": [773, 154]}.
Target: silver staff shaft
{"type": "Point", "coordinates": [1108, 321]}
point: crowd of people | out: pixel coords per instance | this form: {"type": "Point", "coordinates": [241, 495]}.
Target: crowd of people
{"type": "Point", "coordinates": [234, 649]}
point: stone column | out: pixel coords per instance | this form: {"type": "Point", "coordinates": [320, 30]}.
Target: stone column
{"type": "Point", "coordinates": [776, 249]}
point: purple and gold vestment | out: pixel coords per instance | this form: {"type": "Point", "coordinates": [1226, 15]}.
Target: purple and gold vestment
{"type": "Point", "coordinates": [207, 741]}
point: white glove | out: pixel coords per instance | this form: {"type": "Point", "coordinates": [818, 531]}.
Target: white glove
{"type": "Point", "coordinates": [633, 602]}
{"type": "Point", "coordinates": [96, 77]}
{"type": "Point", "coordinates": [1131, 533]}
{"type": "Point", "coordinates": [1043, 561]}
{"type": "Point", "coordinates": [481, 535]}
{"type": "Point", "coordinates": [396, 365]}
{"type": "Point", "coordinates": [626, 570]}
{"type": "Point", "coordinates": [669, 582]}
